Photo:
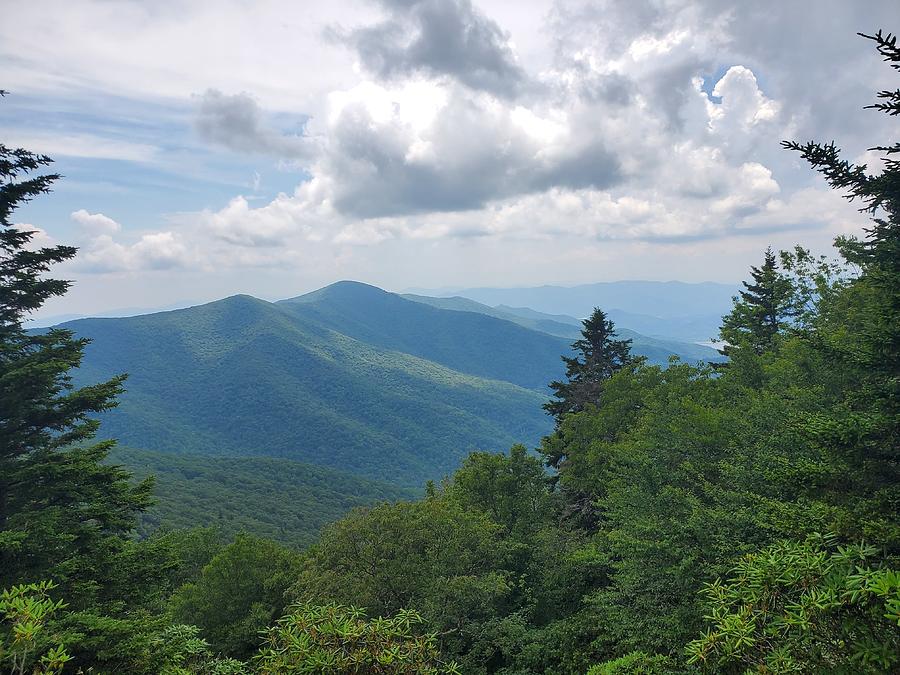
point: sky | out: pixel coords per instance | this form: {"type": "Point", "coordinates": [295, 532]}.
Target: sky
{"type": "Point", "coordinates": [214, 147]}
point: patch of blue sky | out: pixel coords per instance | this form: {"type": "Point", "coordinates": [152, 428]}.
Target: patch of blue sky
{"type": "Point", "coordinates": [148, 161]}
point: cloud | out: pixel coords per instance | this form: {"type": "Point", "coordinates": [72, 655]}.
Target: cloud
{"type": "Point", "coordinates": [102, 249]}
{"type": "Point", "coordinates": [95, 223]}
{"type": "Point", "coordinates": [152, 251]}
{"type": "Point", "coordinates": [439, 38]}
{"type": "Point", "coordinates": [422, 148]}
{"type": "Point", "coordinates": [581, 128]}
{"type": "Point", "coordinates": [88, 146]}
{"type": "Point", "coordinates": [268, 226]}
{"type": "Point", "coordinates": [236, 122]}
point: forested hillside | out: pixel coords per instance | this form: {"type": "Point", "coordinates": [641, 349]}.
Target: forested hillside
{"type": "Point", "coordinates": [244, 377]}
{"type": "Point", "coordinates": [349, 377]}
{"type": "Point", "coordinates": [739, 517]}
{"type": "Point", "coordinates": [271, 497]}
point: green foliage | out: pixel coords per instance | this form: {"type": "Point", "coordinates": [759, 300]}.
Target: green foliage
{"type": "Point", "coordinates": [433, 555]}
{"type": "Point", "coordinates": [181, 651]}
{"type": "Point", "coordinates": [275, 498]}
{"type": "Point", "coordinates": [510, 489]}
{"type": "Point", "coordinates": [333, 640]}
{"type": "Point", "coordinates": [636, 663]}
{"type": "Point", "coordinates": [598, 356]}
{"type": "Point", "coordinates": [802, 608]}
{"type": "Point", "coordinates": [328, 399]}
{"type": "Point", "coordinates": [25, 611]}
{"type": "Point", "coordinates": [238, 594]}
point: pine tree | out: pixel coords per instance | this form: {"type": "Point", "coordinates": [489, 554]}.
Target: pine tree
{"type": "Point", "coordinates": [64, 514]}
{"type": "Point", "coordinates": [860, 335]}
{"type": "Point", "coordinates": [599, 356]}
{"type": "Point", "coordinates": [761, 311]}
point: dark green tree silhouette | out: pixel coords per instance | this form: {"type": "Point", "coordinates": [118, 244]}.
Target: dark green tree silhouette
{"type": "Point", "coordinates": [761, 311]}
{"type": "Point", "coordinates": [64, 513]}
{"type": "Point", "coordinates": [861, 337]}
{"type": "Point", "coordinates": [599, 356]}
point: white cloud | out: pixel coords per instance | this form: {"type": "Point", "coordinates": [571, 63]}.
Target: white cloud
{"type": "Point", "coordinates": [80, 145]}
{"type": "Point", "coordinates": [95, 223]}
{"type": "Point", "coordinates": [596, 125]}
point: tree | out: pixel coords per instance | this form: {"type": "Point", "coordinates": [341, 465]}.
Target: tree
{"type": "Point", "coordinates": [600, 355]}
{"type": "Point", "coordinates": [238, 594]}
{"type": "Point", "coordinates": [860, 328]}
{"type": "Point", "coordinates": [761, 311]}
{"type": "Point", "coordinates": [336, 640]}
{"type": "Point", "coordinates": [511, 489]}
{"type": "Point", "coordinates": [63, 512]}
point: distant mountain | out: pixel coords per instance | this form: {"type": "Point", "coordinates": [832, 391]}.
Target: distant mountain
{"type": "Point", "coordinates": [690, 328]}
{"type": "Point", "coordinates": [675, 310]}
{"type": "Point", "coordinates": [271, 497]}
{"type": "Point", "coordinates": [656, 350]}
{"type": "Point", "coordinates": [45, 321]}
{"type": "Point", "coordinates": [243, 376]}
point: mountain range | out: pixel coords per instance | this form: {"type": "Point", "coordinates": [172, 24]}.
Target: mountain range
{"type": "Point", "coordinates": [349, 377]}
{"type": "Point", "coordinates": [668, 310]}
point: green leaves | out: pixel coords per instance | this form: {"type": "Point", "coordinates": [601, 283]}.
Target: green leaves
{"type": "Point", "coordinates": [801, 607]}
{"type": "Point", "coordinates": [334, 639]}
{"type": "Point", "coordinates": [25, 611]}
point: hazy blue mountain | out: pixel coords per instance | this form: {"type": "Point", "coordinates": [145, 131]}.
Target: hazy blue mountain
{"type": "Point", "coordinates": [669, 299]}
{"type": "Point", "coordinates": [271, 497]}
{"type": "Point", "coordinates": [242, 376]}
{"type": "Point", "coordinates": [676, 310]}
{"type": "Point", "coordinates": [533, 320]}
{"type": "Point", "coordinates": [657, 350]}
{"type": "Point", "coordinates": [690, 327]}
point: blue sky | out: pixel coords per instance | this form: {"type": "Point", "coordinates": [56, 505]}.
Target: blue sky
{"type": "Point", "coordinates": [210, 148]}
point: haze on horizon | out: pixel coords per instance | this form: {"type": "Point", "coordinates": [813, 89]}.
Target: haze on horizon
{"type": "Point", "coordinates": [270, 148]}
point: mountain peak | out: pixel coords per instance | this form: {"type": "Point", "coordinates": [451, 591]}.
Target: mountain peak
{"type": "Point", "coordinates": [341, 290]}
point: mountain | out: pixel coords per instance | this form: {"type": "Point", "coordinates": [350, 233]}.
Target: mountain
{"type": "Point", "coordinates": [690, 327]}
{"type": "Point", "coordinates": [657, 350]}
{"type": "Point", "coordinates": [242, 376]}
{"type": "Point", "coordinates": [271, 497]}
{"type": "Point", "coordinates": [562, 326]}
{"type": "Point", "coordinates": [349, 377]}
{"type": "Point", "coordinates": [468, 342]}
{"type": "Point", "coordinates": [673, 309]}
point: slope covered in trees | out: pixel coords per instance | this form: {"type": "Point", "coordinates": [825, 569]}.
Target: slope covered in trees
{"type": "Point", "coordinates": [242, 376]}
{"type": "Point", "coordinates": [469, 343]}
{"type": "Point", "coordinates": [271, 497]}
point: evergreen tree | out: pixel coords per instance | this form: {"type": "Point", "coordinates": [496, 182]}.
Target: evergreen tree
{"type": "Point", "coordinates": [600, 356]}
{"type": "Point", "coordinates": [64, 513]}
{"type": "Point", "coordinates": [761, 311]}
{"type": "Point", "coordinates": [860, 331]}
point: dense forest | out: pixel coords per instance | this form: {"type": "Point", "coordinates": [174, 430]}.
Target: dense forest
{"type": "Point", "coordinates": [734, 517]}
